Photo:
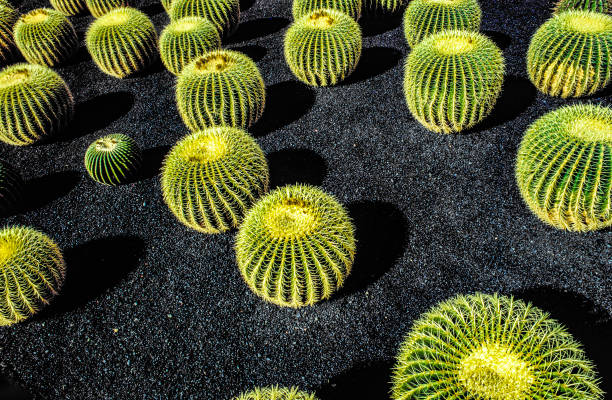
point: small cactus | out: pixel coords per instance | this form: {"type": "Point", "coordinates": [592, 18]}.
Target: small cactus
{"type": "Point", "coordinates": [569, 55]}
{"type": "Point", "coordinates": [33, 272]}
{"type": "Point", "coordinates": [36, 104]}
{"type": "Point", "coordinates": [212, 177]}
{"type": "Point", "coordinates": [221, 87]}
{"type": "Point", "coordinates": [349, 7]}
{"type": "Point", "coordinates": [185, 39]}
{"type": "Point", "coordinates": [113, 159]}
{"type": "Point", "coordinates": [45, 36]}
{"type": "Point", "coordinates": [122, 42]}
{"type": "Point", "coordinates": [296, 246]}
{"type": "Point", "coordinates": [69, 7]}
{"type": "Point", "coordinates": [453, 79]}
{"type": "Point", "coordinates": [492, 347]}
{"type": "Point", "coordinates": [564, 167]}
{"type": "Point", "coordinates": [384, 7]}
{"type": "Point", "coordinates": [602, 6]}
{"type": "Point", "coordinates": [98, 8]}
{"type": "Point", "coordinates": [224, 14]}
{"type": "Point", "coordinates": [323, 47]}
{"type": "Point", "coordinates": [11, 188]}
{"type": "Point", "coordinates": [426, 17]}
{"type": "Point", "coordinates": [8, 17]}
{"type": "Point", "coordinates": [275, 393]}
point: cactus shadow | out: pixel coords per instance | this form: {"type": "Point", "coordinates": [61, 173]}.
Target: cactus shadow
{"type": "Point", "coordinates": [153, 9]}
{"type": "Point", "coordinates": [152, 161]}
{"type": "Point", "coordinates": [257, 28]}
{"type": "Point", "coordinates": [374, 24]}
{"type": "Point", "coordinates": [246, 4]}
{"type": "Point", "coordinates": [81, 55]}
{"type": "Point", "coordinates": [296, 166]}
{"type": "Point", "coordinates": [9, 390]}
{"type": "Point", "coordinates": [364, 381]}
{"type": "Point", "coordinates": [255, 52]}
{"type": "Point", "coordinates": [502, 40]}
{"type": "Point", "coordinates": [374, 61]}
{"type": "Point", "coordinates": [43, 190]}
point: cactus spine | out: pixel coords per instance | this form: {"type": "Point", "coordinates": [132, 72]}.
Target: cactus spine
{"type": "Point", "coordinates": [68, 7]}
{"type": "Point", "coordinates": [11, 188]}
{"type": "Point", "coordinates": [98, 8]}
{"type": "Point", "coordinates": [349, 7]}
{"type": "Point", "coordinates": [8, 17]}
{"type": "Point", "coordinates": [602, 6]}
{"type": "Point", "coordinates": [384, 7]}
{"type": "Point", "coordinates": [166, 4]}
{"type": "Point", "coordinates": [224, 14]}
{"type": "Point", "coordinates": [113, 159]}
{"type": "Point", "coordinates": [275, 393]}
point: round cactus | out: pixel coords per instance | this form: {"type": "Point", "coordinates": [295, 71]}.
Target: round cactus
{"type": "Point", "coordinates": [323, 47]}
{"type": "Point", "coordinates": [36, 103]}
{"type": "Point", "coordinates": [11, 188]}
{"type": "Point", "coordinates": [221, 87]}
{"type": "Point", "coordinates": [33, 272]}
{"type": "Point", "coordinates": [602, 6]}
{"type": "Point", "coordinates": [569, 55]}
{"type": "Point", "coordinates": [384, 7]}
{"type": "Point", "coordinates": [113, 159]}
{"type": "Point", "coordinates": [45, 36]}
{"type": "Point", "coordinates": [224, 14]}
{"type": "Point", "coordinates": [491, 347]}
{"type": "Point", "coordinates": [68, 7]}
{"type": "Point", "coordinates": [426, 17]}
{"type": "Point", "coordinates": [98, 8]}
{"type": "Point", "coordinates": [305, 7]}
{"type": "Point", "coordinates": [212, 177]}
{"type": "Point", "coordinates": [122, 42]}
{"type": "Point", "coordinates": [8, 17]}
{"type": "Point", "coordinates": [275, 393]}
{"type": "Point", "coordinates": [564, 167]}
{"type": "Point", "coordinates": [453, 80]}
{"type": "Point", "coordinates": [296, 246]}
{"type": "Point", "coordinates": [185, 39]}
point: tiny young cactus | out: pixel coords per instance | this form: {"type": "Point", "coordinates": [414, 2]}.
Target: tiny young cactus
{"type": "Point", "coordinates": [350, 7]}
{"type": "Point", "coordinates": [224, 14]}
{"type": "Point", "coordinates": [602, 6]}
{"type": "Point", "coordinates": [275, 393]}
{"type": "Point", "coordinates": [11, 188]}
{"type": "Point", "coordinates": [383, 7]}
{"type": "Point", "coordinates": [69, 7]}
{"type": "Point", "coordinates": [113, 159]}
{"type": "Point", "coordinates": [98, 8]}
{"type": "Point", "coordinates": [8, 17]}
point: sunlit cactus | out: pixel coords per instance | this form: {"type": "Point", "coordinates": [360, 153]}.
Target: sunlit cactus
{"type": "Point", "coordinates": [210, 178]}
{"type": "Point", "coordinates": [185, 39]}
{"type": "Point", "coordinates": [122, 42]}
{"type": "Point", "coordinates": [11, 188]}
{"type": "Point", "coordinates": [384, 7]}
{"type": "Point", "coordinates": [36, 104]}
{"type": "Point", "coordinates": [495, 348]}
{"type": "Point", "coordinates": [275, 393]}
{"type": "Point", "coordinates": [45, 36]}
{"type": "Point", "coordinates": [221, 87]}
{"type": "Point", "coordinates": [569, 55]}
{"type": "Point", "coordinates": [68, 7]}
{"type": "Point", "coordinates": [350, 7]}
{"type": "Point", "coordinates": [113, 159]}
{"type": "Point", "coordinates": [602, 6]}
{"type": "Point", "coordinates": [323, 47]}
{"type": "Point", "coordinates": [33, 271]}
{"type": "Point", "coordinates": [453, 80]}
{"type": "Point", "coordinates": [8, 17]}
{"type": "Point", "coordinates": [426, 17]}
{"type": "Point", "coordinates": [296, 246]}
{"type": "Point", "coordinates": [98, 8]}
{"type": "Point", "coordinates": [224, 14]}
{"type": "Point", "coordinates": [166, 4]}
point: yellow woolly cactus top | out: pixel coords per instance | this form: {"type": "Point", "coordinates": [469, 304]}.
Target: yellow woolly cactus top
{"type": "Point", "coordinates": [291, 218]}
{"type": "Point", "coordinates": [585, 21]}
{"type": "Point", "coordinates": [36, 16]}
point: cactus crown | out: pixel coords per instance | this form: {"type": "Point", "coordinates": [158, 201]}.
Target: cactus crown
{"type": "Point", "coordinates": [206, 149]}
{"type": "Point", "coordinates": [454, 45]}
{"type": "Point", "coordinates": [275, 393]}
{"type": "Point", "coordinates": [36, 16]}
{"type": "Point", "coordinates": [352, 8]}
{"type": "Point", "coordinates": [213, 63]}
{"type": "Point", "coordinates": [586, 22]}
{"type": "Point", "coordinates": [291, 218]}
{"type": "Point", "coordinates": [321, 19]}
{"type": "Point", "coordinates": [14, 76]}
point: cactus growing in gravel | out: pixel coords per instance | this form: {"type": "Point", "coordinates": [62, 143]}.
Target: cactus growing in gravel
{"type": "Point", "coordinates": [122, 42]}
{"type": "Point", "coordinates": [275, 393]}
{"type": "Point", "coordinates": [384, 7]}
{"type": "Point", "coordinates": [33, 272]}
{"type": "Point", "coordinates": [492, 347]}
{"type": "Point", "coordinates": [113, 159]}
{"type": "Point", "coordinates": [224, 14]}
{"type": "Point", "coordinates": [569, 55]}
{"type": "Point", "coordinates": [11, 188]}
{"type": "Point", "coordinates": [212, 177]}
{"type": "Point", "coordinates": [296, 246]}
{"type": "Point", "coordinates": [36, 103]}
{"type": "Point", "coordinates": [98, 8]}
{"type": "Point", "coordinates": [349, 7]}
{"type": "Point", "coordinates": [453, 79]}
{"type": "Point", "coordinates": [323, 47]}
{"type": "Point", "coordinates": [8, 17]}
{"type": "Point", "coordinates": [564, 167]}
{"type": "Point", "coordinates": [68, 7]}
{"type": "Point", "coordinates": [221, 87]}
{"type": "Point", "coordinates": [185, 39]}
{"type": "Point", "coordinates": [45, 36]}
{"type": "Point", "coordinates": [602, 6]}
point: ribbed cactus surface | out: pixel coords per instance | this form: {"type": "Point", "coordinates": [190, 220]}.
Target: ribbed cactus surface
{"type": "Point", "coordinates": [113, 159]}
{"type": "Point", "coordinates": [98, 8]}
{"type": "Point", "coordinates": [275, 393]}
{"type": "Point", "coordinates": [352, 8]}
{"type": "Point", "coordinates": [602, 6]}
{"type": "Point", "coordinates": [224, 14]}
{"type": "Point", "coordinates": [8, 17]}
{"type": "Point", "coordinates": [69, 7]}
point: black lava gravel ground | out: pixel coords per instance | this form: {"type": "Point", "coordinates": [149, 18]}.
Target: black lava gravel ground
{"type": "Point", "coordinates": [152, 310]}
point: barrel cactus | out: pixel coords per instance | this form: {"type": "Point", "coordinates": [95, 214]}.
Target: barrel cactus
{"type": "Point", "coordinates": [166, 4]}
{"type": "Point", "coordinates": [45, 36]}
{"type": "Point", "coordinates": [275, 393]}
{"type": "Point", "coordinates": [349, 7]}
{"type": "Point", "coordinates": [68, 7]}
{"type": "Point", "coordinates": [98, 8]}
{"type": "Point", "coordinates": [384, 7]}
{"type": "Point", "coordinates": [11, 188]}
{"type": "Point", "coordinates": [36, 104]}
{"type": "Point", "coordinates": [602, 6]}
{"type": "Point", "coordinates": [453, 79]}
{"type": "Point", "coordinates": [323, 48]}
{"type": "Point", "coordinates": [224, 14]}
{"type": "Point", "coordinates": [8, 17]}
{"type": "Point", "coordinates": [221, 87]}
{"type": "Point", "coordinates": [33, 272]}
{"type": "Point", "coordinates": [492, 347]}
{"type": "Point", "coordinates": [113, 159]}
{"type": "Point", "coordinates": [122, 42]}
{"type": "Point", "coordinates": [210, 178]}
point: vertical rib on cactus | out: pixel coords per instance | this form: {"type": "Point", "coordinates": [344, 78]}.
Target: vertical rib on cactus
{"type": "Point", "coordinates": [602, 6]}
{"type": "Point", "coordinates": [8, 17]}
{"type": "Point", "coordinates": [383, 7]}
{"type": "Point", "coordinates": [275, 393]}
{"type": "Point", "coordinates": [68, 7]}
{"type": "Point", "coordinates": [113, 159]}
{"type": "Point", "coordinates": [224, 14]}
{"type": "Point", "coordinates": [350, 7]}
{"type": "Point", "coordinates": [98, 8]}
{"type": "Point", "coordinates": [166, 4]}
{"type": "Point", "coordinates": [11, 188]}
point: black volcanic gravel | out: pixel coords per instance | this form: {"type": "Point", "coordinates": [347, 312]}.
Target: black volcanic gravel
{"type": "Point", "coordinates": [152, 310]}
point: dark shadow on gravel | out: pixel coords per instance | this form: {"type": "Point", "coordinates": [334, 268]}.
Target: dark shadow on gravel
{"type": "Point", "coordinates": [254, 51]}
{"type": "Point", "coordinates": [257, 28]}
{"type": "Point", "coordinates": [153, 9]}
{"type": "Point", "coordinates": [372, 25]}
{"type": "Point", "coordinates": [246, 4]}
{"type": "Point", "coordinates": [43, 190]}
{"type": "Point", "coordinates": [374, 61]}
{"type": "Point", "coordinates": [80, 56]}
{"type": "Point", "coordinates": [9, 390]}
{"type": "Point", "coordinates": [152, 161]}
{"type": "Point", "coordinates": [363, 381]}
{"type": "Point", "coordinates": [296, 166]}
{"type": "Point", "coordinates": [502, 40]}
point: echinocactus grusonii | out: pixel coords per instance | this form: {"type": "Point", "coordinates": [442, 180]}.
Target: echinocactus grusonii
{"type": "Point", "coordinates": [36, 104]}
{"type": "Point", "coordinates": [166, 4]}
{"type": "Point", "coordinates": [296, 246]}
{"type": "Point", "coordinates": [323, 47]}
{"type": "Point", "coordinates": [602, 6]}
{"type": "Point", "coordinates": [210, 178]}
{"type": "Point", "coordinates": [122, 42]}
{"type": "Point", "coordinates": [11, 188]}
{"type": "Point", "coordinates": [68, 7]}
{"type": "Point", "coordinates": [491, 347]}
{"type": "Point", "coordinates": [221, 87]}
{"type": "Point", "coordinates": [453, 79]}
{"type": "Point", "coordinates": [224, 14]}
{"type": "Point", "coordinates": [349, 7]}
{"type": "Point", "coordinates": [98, 8]}
{"type": "Point", "coordinates": [569, 55]}
{"type": "Point", "coordinates": [564, 167]}
{"type": "Point", "coordinates": [113, 159]}
{"type": "Point", "coordinates": [275, 393]}
{"type": "Point", "coordinates": [8, 17]}
{"type": "Point", "coordinates": [33, 269]}
{"type": "Point", "coordinates": [383, 7]}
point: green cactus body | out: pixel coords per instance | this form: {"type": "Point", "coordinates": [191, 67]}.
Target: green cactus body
{"type": "Point", "coordinates": [275, 393]}
{"type": "Point", "coordinates": [224, 14]}
{"type": "Point", "coordinates": [185, 39]}
{"type": "Point", "coordinates": [113, 159]}
{"type": "Point", "coordinates": [453, 79]}
{"type": "Point", "coordinates": [564, 167]}
{"type": "Point", "coordinates": [11, 188]}
{"type": "Point", "coordinates": [221, 87]}
{"type": "Point", "coordinates": [350, 7]}
{"type": "Point", "coordinates": [98, 8]}
{"type": "Point", "coordinates": [569, 55]}
{"type": "Point", "coordinates": [426, 17]}
{"type": "Point", "coordinates": [8, 17]}
{"type": "Point", "coordinates": [323, 47]}
{"type": "Point", "coordinates": [212, 177]}
{"type": "Point", "coordinates": [69, 7]}
{"type": "Point", "coordinates": [384, 7]}
{"type": "Point", "coordinates": [491, 347]}
{"type": "Point", "coordinates": [166, 4]}
{"type": "Point", "coordinates": [36, 103]}
{"type": "Point", "coordinates": [122, 42]}
{"type": "Point", "coordinates": [602, 6]}
{"type": "Point", "coordinates": [32, 270]}
{"type": "Point", "coordinates": [296, 246]}
{"type": "Point", "coordinates": [45, 36]}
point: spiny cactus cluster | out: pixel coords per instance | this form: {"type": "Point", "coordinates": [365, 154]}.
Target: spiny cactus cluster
{"type": "Point", "coordinates": [221, 87]}
{"type": "Point", "coordinates": [275, 393]}
{"type": "Point", "coordinates": [98, 8]}
{"type": "Point", "coordinates": [212, 177]}
{"type": "Point", "coordinates": [122, 42]}
{"type": "Point", "coordinates": [11, 188]}
{"type": "Point", "coordinates": [569, 55]}
{"type": "Point", "coordinates": [69, 7]}
{"type": "Point", "coordinates": [350, 7]}
{"type": "Point", "coordinates": [45, 36]}
{"type": "Point", "coordinates": [33, 272]}
{"type": "Point", "coordinates": [8, 17]}
{"type": "Point", "coordinates": [36, 104]}
{"type": "Point", "coordinates": [384, 7]}
{"type": "Point", "coordinates": [323, 48]}
{"type": "Point", "coordinates": [492, 347]}
{"type": "Point", "coordinates": [602, 6]}
{"type": "Point", "coordinates": [113, 159]}
{"type": "Point", "coordinates": [224, 14]}
{"type": "Point", "coordinates": [296, 246]}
